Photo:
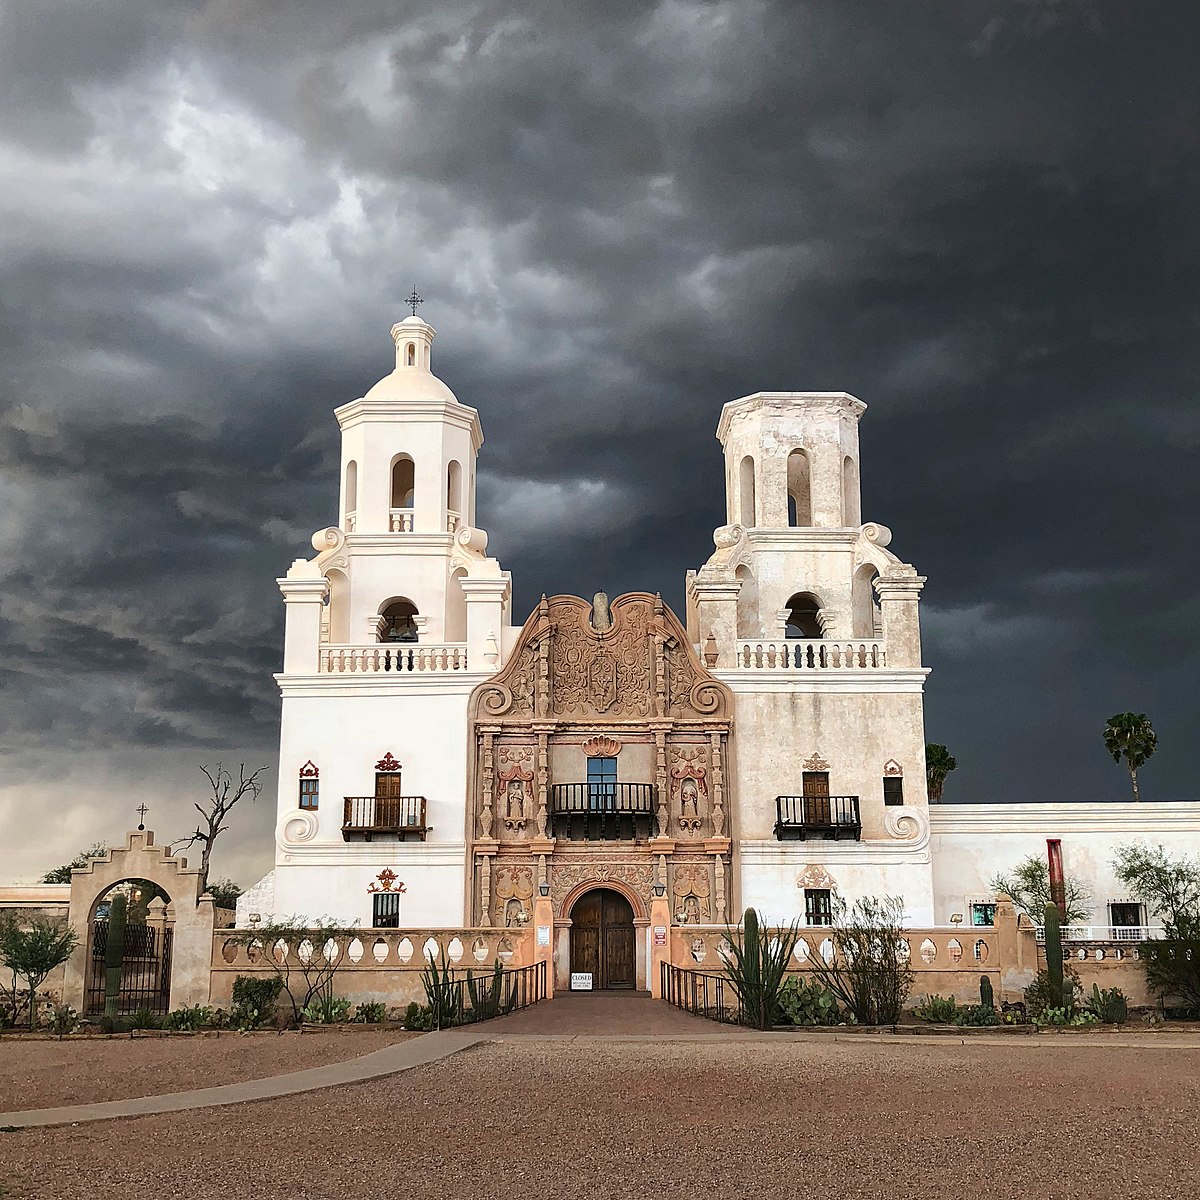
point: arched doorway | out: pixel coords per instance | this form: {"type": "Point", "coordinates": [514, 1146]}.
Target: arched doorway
{"type": "Point", "coordinates": [602, 939]}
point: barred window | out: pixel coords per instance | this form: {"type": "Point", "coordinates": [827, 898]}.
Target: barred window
{"type": "Point", "coordinates": [818, 906]}
{"type": "Point", "coordinates": [893, 790]}
{"type": "Point", "coordinates": [387, 910]}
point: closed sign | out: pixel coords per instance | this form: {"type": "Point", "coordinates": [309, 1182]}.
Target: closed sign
{"type": "Point", "coordinates": [581, 981]}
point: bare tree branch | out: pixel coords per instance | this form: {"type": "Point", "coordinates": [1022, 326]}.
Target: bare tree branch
{"type": "Point", "coordinates": [226, 792]}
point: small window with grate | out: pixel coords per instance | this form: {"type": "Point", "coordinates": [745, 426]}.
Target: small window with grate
{"type": "Point", "coordinates": [983, 914]}
{"type": "Point", "coordinates": [387, 910]}
{"type": "Point", "coordinates": [893, 790]}
{"type": "Point", "coordinates": [818, 906]}
{"type": "Point", "coordinates": [310, 792]}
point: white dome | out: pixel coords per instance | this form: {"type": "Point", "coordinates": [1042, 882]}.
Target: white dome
{"type": "Point", "coordinates": [404, 383]}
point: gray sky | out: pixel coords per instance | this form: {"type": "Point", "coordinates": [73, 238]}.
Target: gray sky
{"type": "Point", "coordinates": [979, 217]}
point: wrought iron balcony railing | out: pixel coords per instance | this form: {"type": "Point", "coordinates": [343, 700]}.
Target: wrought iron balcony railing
{"type": "Point", "coordinates": [603, 811]}
{"type": "Point", "coordinates": [798, 818]}
{"type": "Point", "coordinates": [403, 816]}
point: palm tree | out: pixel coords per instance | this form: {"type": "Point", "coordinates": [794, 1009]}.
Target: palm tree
{"type": "Point", "coordinates": [1128, 736]}
{"type": "Point", "coordinates": [939, 762]}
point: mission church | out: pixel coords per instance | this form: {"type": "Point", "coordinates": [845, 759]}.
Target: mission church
{"type": "Point", "coordinates": [444, 761]}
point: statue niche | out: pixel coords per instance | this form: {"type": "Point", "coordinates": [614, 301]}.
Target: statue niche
{"type": "Point", "coordinates": [514, 788]}
{"type": "Point", "coordinates": [689, 785]}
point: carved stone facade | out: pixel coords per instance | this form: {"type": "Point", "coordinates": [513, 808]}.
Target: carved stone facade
{"type": "Point", "coordinates": [618, 682]}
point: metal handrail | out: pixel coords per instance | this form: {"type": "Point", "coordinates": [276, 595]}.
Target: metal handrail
{"type": "Point", "coordinates": [583, 798]}
{"type": "Point", "coordinates": [384, 814]}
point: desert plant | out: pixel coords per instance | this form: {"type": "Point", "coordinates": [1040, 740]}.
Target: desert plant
{"type": "Point", "coordinates": [808, 1003]}
{"type": "Point", "coordinates": [190, 1019]}
{"type": "Point", "coordinates": [326, 1009]}
{"type": "Point", "coordinates": [755, 967]}
{"type": "Point", "coordinates": [1110, 1005]}
{"type": "Point", "coordinates": [296, 949]}
{"type": "Point", "coordinates": [1054, 956]}
{"type": "Point", "coordinates": [1028, 883]}
{"type": "Point", "coordinates": [1065, 1017]}
{"type": "Point", "coordinates": [443, 993]}
{"type": "Point", "coordinates": [987, 996]}
{"type": "Point", "coordinates": [32, 953]}
{"type": "Point", "coordinates": [939, 1009]}
{"type": "Point", "coordinates": [487, 1000]}
{"type": "Point", "coordinates": [371, 1012]}
{"type": "Point", "coordinates": [259, 992]}
{"type": "Point", "coordinates": [143, 1018]}
{"type": "Point", "coordinates": [114, 953]}
{"type": "Point", "coordinates": [1169, 887]}
{"type": "Point", "coordinates": [63, 1020]}
{"type": "Point", "coordinates": [418, 1017]}
{"type": "Point", "coordinates": [1128, 736]}
{"type": "Point", "coordinates": [1172, 967]}
{"type": "Point", "coordinates": [869, 970]}
{"type": "Point", "coordinates": [977, 1014]}
{"type": "Point", "coordinates": [1042, 993]}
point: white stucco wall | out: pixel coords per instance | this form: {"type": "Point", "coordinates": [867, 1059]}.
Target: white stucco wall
{"type": "Point", "coordinates": [971, 843]}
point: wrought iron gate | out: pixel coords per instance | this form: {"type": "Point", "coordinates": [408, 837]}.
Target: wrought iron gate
{"type": "Point", "coordinates": [145, 969]}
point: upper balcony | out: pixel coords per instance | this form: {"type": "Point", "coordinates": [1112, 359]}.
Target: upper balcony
{"type": "Point", "coordinates": [402, 817]}
{"type": "Point", "coordinates": [603, 811]}
{"type": "Point", "coordinates": [833, 818]}
{"type": "Point", "coordinates": [396, 658]}
{"type": "Point", "coordinates": [804, 654]}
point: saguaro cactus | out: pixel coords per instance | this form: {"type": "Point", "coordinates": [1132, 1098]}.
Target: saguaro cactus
{"type": "Point", "coordinates": [987, 997]}
{"type": "Point", "coordinates": [1054, 956]}
{"type": "Point", "coordinates": [114, 953]}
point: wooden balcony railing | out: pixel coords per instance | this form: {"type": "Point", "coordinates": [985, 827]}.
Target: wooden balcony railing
{"type": "Point", "coordinates": [603, 811]}
{"type": "Point", "coordinates": [403, 816]}
{"type": "Point", "coordinates": [798, 818]}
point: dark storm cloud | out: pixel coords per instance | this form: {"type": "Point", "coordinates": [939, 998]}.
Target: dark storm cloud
{"type": "Point", "coordinates": [978, 217]}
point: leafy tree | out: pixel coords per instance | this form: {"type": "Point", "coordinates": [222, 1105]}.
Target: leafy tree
{"type": "Point", "coordinates": [226, 792]}
{"type": "Point", "coordinates": [1169, 887]}
{"type": "Point", "coordinates": [1028, 883]}
{"type": "Point", "coordinates": [224, 893]}
{"type": "Point", "coordinates": [1128, 736]}
{"type": "Point", "coordinates": [34, 952]}
{"type": "Point", "coordinates": [939, 762]}
{"type": "Point", "coordinates": [63, 874]}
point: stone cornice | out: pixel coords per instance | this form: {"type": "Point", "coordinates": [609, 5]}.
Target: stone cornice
{"type": "Point", "coordinates": [835, 404]}
{"type": "Point", "coordinates": [833, 854]}
{"type": "Point", "coordinates": [1144, 820]}
{"type": "Point", "coordinates": [372, 854]}
{"type": "Point", "coordinates": [404, 411]}
{"type": "Point", "coordinates": [406, 685]}
{"type": "Point", "coordinates": [861, 682]}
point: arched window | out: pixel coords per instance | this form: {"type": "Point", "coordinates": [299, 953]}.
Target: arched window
{"type": "Point", "coordinates": [403, 481]}
{"type": "Point", "coordinates": [351, 486]}
{"type": "Point", "coordinates": [454, 490]}
{"type": "Point", "coordinates": [862, 601]}
{"type": "Point", "coordinates": [412, 355]}
{"type": "Point", "coordinates": [339, 608]}
{"type": "Point", "coordinates": [749, 622]}
{"type": "Point", "coordinates": [851, 503]}
{"type": "Point", "coordinates": [398, 623]}
{"type": "Point", "coordinates": [746, 488]}
{"type": "Point", "coordinates": [456, 608]}
{"type": "Point", "coordinates": [799, 484]}
{"type": "Point", "coordinates": [802, 620]}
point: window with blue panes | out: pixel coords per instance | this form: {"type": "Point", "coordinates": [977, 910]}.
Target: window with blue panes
{"type": "Point", "coordinates": [602, 784]}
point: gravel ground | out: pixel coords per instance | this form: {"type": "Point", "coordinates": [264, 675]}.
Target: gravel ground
{"type": "Point", "coordinates": [560, 1118]}
{"type": "Point", "coordinates": [45, 1074]}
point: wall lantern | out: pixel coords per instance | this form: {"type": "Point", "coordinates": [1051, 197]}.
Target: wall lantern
{"type": "Point", "coordinates": [544, 889]}
{"type": "Point", "coordinates": [659, 890]}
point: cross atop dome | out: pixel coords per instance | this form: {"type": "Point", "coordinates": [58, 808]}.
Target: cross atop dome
{"type": "Point", "coordinates": [414, 300]}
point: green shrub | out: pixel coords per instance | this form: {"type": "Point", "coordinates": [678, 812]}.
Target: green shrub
{"type": "Point", "coordinates": [987, 996]}
{"type": "Point", "coordinates": [444, 995]}
{"type": "Point", "coordinates": [939, 1009]}
{"type": "Point", "coordinates": [190, 1019]}
{"type": "Point", "coordinates": [1110, 1005]}
{"type": "Point", "coordinates": [418, 1016]}
{"type": "Point", "coordinates": [258, 992]}
{"type": "Point", "coordinates": [143, 1018]}
{"type": "Point", "coordinates": [808, 1003]}
{"type": "Point", "coordinates": [63, 1019]}
{"type": "Point", "coordinates": [977, 1014]}
{"type": "Point", "coordinates": [326, 1010]}
{"type": "Point", "coordinates": [1065, 1017]}
{"type": "Point", "coordinates": [372, 1012]}
{"type": "Point", "coordinates": [1044, 993]}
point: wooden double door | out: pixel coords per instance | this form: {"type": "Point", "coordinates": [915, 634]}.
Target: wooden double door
{"type": "Point", "coordinates": [602, 939]}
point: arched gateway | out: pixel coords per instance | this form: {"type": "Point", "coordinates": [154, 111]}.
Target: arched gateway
{"type": "Point", "coordinates": [603, 942]}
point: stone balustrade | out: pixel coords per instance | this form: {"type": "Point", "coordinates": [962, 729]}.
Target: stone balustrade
{"type": "Point", "coordinates": [402, 658]}
{"type": "Point", "coordinates": [400, 520]}
{"type": "Point", "coordinates": [796, 654]}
